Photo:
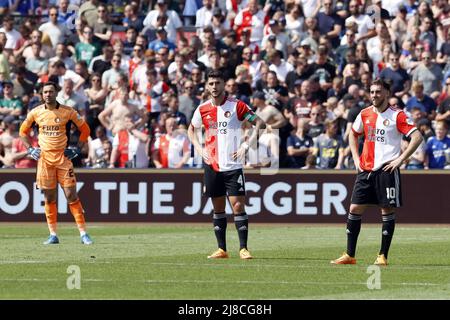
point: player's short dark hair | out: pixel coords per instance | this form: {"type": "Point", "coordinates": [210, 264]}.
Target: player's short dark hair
{"type": "Point", "coordinates": [216, 74]}
{"type": "Point", "coordinates": [384, 83]}
{"type": "Point", "coordinates": [50, 83]}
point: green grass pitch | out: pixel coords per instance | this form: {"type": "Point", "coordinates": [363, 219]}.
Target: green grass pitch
{"type": "Point", "coordinates": [168, 261]}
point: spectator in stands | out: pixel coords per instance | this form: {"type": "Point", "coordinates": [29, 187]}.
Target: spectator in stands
{"type": "Point", "coordinates": [87, 49]}
{"type": "Point", "coordinates": [9, 104]}
{"type": "Point", "coordinates": [400, 80]}
{"type": "Point", "coordinates": [316, 125]}
{"type": "Point", "coordinates": [254, 19]}
{"type": "Point", "coordinates": [421, 100]}
{"type": "Point", "coordinates": [96, 96]}
{"type": "Point", "coordinates": [129, 147]}
{"type": "Point", "coordinates": [57, 32]}
{"type": "Point", "coordinates": [188, 100]}
{"type": "Point", "coordinates": [161, 41]}
{"type": "Point", "coordinates": [61, 53]}
{"type": "Point", "coordinates": [66, 13]}
{"type": "Point", "coordinates": [35, 63]}
{"type": "Point", "coordinates": [299, 144]}
{"type": "Point", "coordinates": [131, 18]}
{"type": "Point", "coordinates": [437, 147]}
{"type": "Point", "coordinates": [12, 35]}
{"type": "Point", "coordinates": [204, 16]}
{"type": "Point", "coordinates": [329, 148]}
{"type": "Point", "coordinates": [102, 63]}
{"type": "Point", "coordinates": [282, 42]}
{"type": "Point", "coordinates": [110, 77]}
{"type": "Point", "coordinates": [173, 24]}
{"type": "Point", "coordinates": [88, 11]}
{"type": "Point", "coordinates": [68, 97]}
{"type": "Point", "coordinates": [443, 112]}
{"type": "Point", "coordinates": [10, 132]}
{"type": "Point", "coordinates": [172, 149]}
{"type": "Point", "coordinates": [430, 74]}
{"type": "Point", "coordinates": [276, 94]}
{"type": "Point", "coordinates": [329, 23]}
{"type": "Point", "coordinates": [113, 117]}
{"type": "Point", "coordinates": [96, 155]}
{"type": "Point", "coordinates": [301, 72]}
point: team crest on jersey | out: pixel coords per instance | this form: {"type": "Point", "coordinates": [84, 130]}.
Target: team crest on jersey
{"type": "Point", "coordinates": [57, 120]}
{"type": "Point", "coordinates": [227, 114]}
{"type": "Point", "coordinates": [386, 122]}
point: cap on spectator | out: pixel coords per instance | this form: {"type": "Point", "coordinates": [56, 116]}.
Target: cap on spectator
{"type": "Point", "coordinates": [272, 37]}
{"type": "Point", "coordinates": [305, 42]}
{"type": "Point", "coordinates": [9, 119]}
{"type": "Point", "coordinates": [161, 29]}
{"type": "Point", "coordinates": [217, 11]}
{"type": "Point", "coordinates": [5, 82]}
{"type": "Point", "coordinates": [298, 82]}
{"type": "Point", "coordinates": [259, 95]}
{"type": "Point", "coordinates": [402, 8]}
{"type": "Point", "coordinates": [348, 97]}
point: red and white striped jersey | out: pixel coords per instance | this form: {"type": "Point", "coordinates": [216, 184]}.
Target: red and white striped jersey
{"type": "Point", "coordinates": [222, 131]}
{"type": "Point", "coordinates": [383, 135]}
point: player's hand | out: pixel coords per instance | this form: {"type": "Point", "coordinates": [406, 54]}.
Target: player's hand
{"type": "Point", "coordinates": [394, 164]}
{"type": "Point", "coordinates": [240, 154]}
{"type": "Point", "coordinates": [34, 153]}
{"type": "Point", "coordinates": [205, 156]}
{"type": "Point", "coordinates": [70, 154]}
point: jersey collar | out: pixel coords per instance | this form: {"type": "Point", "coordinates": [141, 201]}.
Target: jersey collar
{"type": "Point", "coordinates": [57, 105]}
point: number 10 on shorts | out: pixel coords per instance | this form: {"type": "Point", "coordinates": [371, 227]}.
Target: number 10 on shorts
{"type": "Point", "coordinates": [390, 192]}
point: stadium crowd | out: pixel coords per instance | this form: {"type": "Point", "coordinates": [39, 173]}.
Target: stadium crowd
{"type": "Point", "coordinates": [136, 71]}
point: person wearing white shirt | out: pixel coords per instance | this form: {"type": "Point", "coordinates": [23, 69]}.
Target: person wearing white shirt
{"type": "Point", "coordinates": [57, 32]}
{"type": "Point", "coordinates": [173, 24]}
{"type": "Point", "coordinates": [278, 65]}
{"type": "Point", "coordinates": [12, 36]}
{"type": "Point", "coordinates": [204, 16]}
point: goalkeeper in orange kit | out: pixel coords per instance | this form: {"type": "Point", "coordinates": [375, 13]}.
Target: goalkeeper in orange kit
{"type": "Point", "coordinates": [54, 159]}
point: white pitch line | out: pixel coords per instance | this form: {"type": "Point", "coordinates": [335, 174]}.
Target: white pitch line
{"type": "Point", "coordinates": [255, 282]}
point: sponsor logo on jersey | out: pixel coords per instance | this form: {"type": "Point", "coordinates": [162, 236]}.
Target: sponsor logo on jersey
{"type": "Point", "coordinates": [227, 114]}
{"type": "Point", "coordinates": [386, 122]}
{"type": "Point", "coordinates": [57, 120]}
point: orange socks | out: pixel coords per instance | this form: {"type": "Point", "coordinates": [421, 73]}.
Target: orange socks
{"type": "Point", "coordinates": [51, 215]}
{"type": "Point", "coordinates": [77, 211]}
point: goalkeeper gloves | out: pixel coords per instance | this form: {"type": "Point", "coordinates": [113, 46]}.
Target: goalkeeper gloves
{"type": "Point", "coordinates": [34, 153]}
{"type": "Point", "coordinates": [70, 154]}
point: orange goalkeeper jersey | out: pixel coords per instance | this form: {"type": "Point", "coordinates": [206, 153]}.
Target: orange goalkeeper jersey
{"type": "Point", "coordinates": [54, 127]}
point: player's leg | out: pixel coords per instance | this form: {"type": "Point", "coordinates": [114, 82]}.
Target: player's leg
{"type": "Point", "coordinates": [389, 197]}
{"type": "Point", "coordinates": [67, 180]}
{"type": "Point", "coordinates": [235, 185]}
{"type": "Point", "coordinates": [51, 213]}
{"type": "Point", "coordinates": [46, 181]}
{"type": "Point", "coordinates": [363, 195]}
{"type": "Point", "coordinates": [214, 188]}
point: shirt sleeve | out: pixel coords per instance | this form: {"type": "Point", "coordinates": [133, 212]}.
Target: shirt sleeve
{"type": "Point", "coordinates": [197, 119]}
{"type": "Point", "coordinates": [76, 118]}
{"type": "Point", "coordinates": [244, 112]}
{"type": "Point", "coordinates": [404, 124]}
{"type": "Point", "coordinates": [26, 124]}
{"type": "Point", "coordinates": [357, 126]}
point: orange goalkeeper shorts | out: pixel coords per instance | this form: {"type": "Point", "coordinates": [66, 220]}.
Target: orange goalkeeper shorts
{"type": "Point", "coordinates": [48, 175]}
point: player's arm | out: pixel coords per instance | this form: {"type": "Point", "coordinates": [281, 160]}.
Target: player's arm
{"type": "Point", "coordinates": [194, 131]}
{"type": "Point", "coordinates": [25, 129]}
{"type": "Point", "coordinates": [416, 140]}
{"type": "Point", "coordinates": [407, 127]}
{"type": "Point", "coordinates": [354, 144]}
{"type": "Point", "coordinates": [341, 156]}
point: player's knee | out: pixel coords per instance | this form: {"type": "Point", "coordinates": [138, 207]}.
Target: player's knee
{"type": "Point", "coordinates": [357, 208]}
{"type": "Point", "coordinates": [238, 207]}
